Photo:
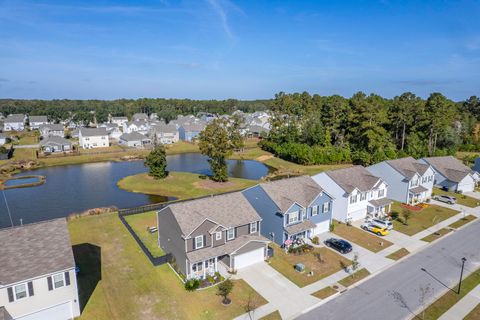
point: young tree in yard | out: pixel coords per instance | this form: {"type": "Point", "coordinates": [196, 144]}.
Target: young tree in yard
{"type": "Point", "coordinates": [355, 264]}
{"type": "Point", "coordinates": [406, 215]}
{"type": "Point", "coordinates": [224, 289]}
{"type": "Point", "coordinates": [217, 141]}
{"type": "Point", "coordinates": [251, 304]}
{"type": "Point", "coordinates": [157, 162]}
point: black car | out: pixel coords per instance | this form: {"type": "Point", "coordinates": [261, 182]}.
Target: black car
{"type": "Point", "coordinates": [339, 245]}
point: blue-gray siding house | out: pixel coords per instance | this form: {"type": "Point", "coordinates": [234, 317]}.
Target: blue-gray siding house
{"type": "Point", "coordinates": [189, 132]}
{"type": "Point", "coordinates": [291, 208]}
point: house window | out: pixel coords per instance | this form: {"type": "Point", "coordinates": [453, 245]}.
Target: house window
{"type": "Point", "coordinates": [58, 280]}
{"type": "Point", "coordinates": [314, 210]}
{"type": "Point", "coordinates": [218, 235]}
{"type": "Point", "coordinates": [253, 227]}
{"type": "Point", "coordinates": [199, 242]}
{"type": "Point", "coordinates": [381, 193]}
{"type": "Point", "coordinates": [363, 196]}
{"type": "Point", "coordinates": [326, 207]}
{"type": "Point", "coordinates": [20, 291]}
{"type": "Point", "coordinates": [292, 217]}
{"type": "Point", "coordinates": [304, 213]}
{"type": "Point", "coordinates": [231, 234]}
{"type": "Point", "coordinates": [353, 199]}
{"type": "Point", "coordinates": [430, 178]}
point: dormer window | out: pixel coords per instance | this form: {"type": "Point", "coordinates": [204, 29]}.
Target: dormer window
{"type": "Point", "coordinates": [199, 242]}
{"type": "Point", "coordinates": [231, 234]}
{"type": "Point", "coordinates": [218, 235]}
{"type": "Point", "coordinates": [253, 227]}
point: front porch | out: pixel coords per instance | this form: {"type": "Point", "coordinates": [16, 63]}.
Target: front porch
{"type": "Point", "coordinates": [379, 208]}
{"type": "Point", "coordinates": [417, 195]}
{"type": "Point", "coordinates": [202, 269]}
{"type": "Point", "coordinates": [298, 232]}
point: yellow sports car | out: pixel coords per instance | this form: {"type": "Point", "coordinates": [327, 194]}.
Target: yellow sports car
{"type": "Point", "coordinates": [381, 231]}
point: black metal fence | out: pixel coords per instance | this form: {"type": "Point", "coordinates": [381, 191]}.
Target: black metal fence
{"type": "Point", "coordinates": [142, 209]}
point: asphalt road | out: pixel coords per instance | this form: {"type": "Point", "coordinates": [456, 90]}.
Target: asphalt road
{"type": "Point", "coordinates": [380, 297]}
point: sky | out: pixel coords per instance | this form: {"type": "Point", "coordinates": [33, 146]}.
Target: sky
{"type": "Point", "coordinates": [218, 49]}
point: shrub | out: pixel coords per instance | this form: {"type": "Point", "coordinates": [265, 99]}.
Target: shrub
{"type": "Point", "coordinates": [315, 240]}
{"type": "Point", "coordinates": [210, 279]}
{"type": "Point", "coordinates": [203, 176]}
{"type": "Point", "coordinates": [224, 289]}
{"type": "Point", "coordinates": [332, 227]}
{"type": "Point", "coordinates": [394, 215]}
{"type": "Point", "coordinates": [192, 284]}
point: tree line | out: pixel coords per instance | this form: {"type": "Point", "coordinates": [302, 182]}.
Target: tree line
{"type": "Point", "coordinates": [365, 129]}
{"type": "Point", "coordinates": [168, 109]}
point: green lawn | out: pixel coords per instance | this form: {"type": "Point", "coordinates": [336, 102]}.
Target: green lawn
{"type": "Point", "coordinates": [117, 281]}
{"type": "Point", "coordinates": [436, 235]}
{"type": "Point", "coordinates": [449, 299]}
{"type": "Point", "coordinates": [324, 293]}
{"type": "Point", "coordinates": [421, 220]}
{"type": "Point", "coordinates": [357, 276]}
{"type": "Point", "coordinates": [28, 139]}
{"type": "Point", "coordinates": [24, 154]}
{"type": "Point", "coordinates": [139, 223]}
{"type": "Point", "coordinates": [360, 237]}
{"type": "Point", "coordinates": [463, 221]}
{"type": "Point", "coordinates": [400, 253]}
{"type": "Point", "coordinates": [272, 316]}
{"type": "Point", "coordinates": [461, 198]}
{"type": "Point", "coordinates": [474, 314]}
{"type": "Point", "coordinates": [284, 263]}
{"type": "Point", "coordinates": [182, 185]}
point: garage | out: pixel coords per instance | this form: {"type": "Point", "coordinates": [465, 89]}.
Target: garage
{"type": "Point", "coordinates": [60, 312]}
{"type": "Point", "coordinates": [357, 215]}
{"type": "Point", "coordinates": [322, 227]}
{"type": "Point", "coordinates": [248, 258]}
{"type": "Point", "coordinates": [466, 185]}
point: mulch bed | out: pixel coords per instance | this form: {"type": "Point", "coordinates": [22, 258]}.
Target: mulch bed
{"type": "Point", "coordinates": [412, 208]}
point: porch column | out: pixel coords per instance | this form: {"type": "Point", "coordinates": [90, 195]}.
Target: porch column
{"type": "Point", "coordinates": [203, 267]}
{"type": "Point", "coordinates": [216, 264]}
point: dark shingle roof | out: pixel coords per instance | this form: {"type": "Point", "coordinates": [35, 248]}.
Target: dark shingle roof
{"type": "Point", "coordinates": [37, 119]}
{"type": "Point", "coordinates": [302, 190]}
{"type": "Point", "coordinates": [450, 167]}
{"type": "Point", "coordinates": [193, 127]}
{"type": "Point", "coordinates": [228, 210]}
{"type": "Point", "coordinates": [93, 132]}
{"type": "Point", "coordinates": [15, 118]}
{"type": "Point", "coordinates": [133, 136]}
{"type": "Point", "coordinates": [34, 250]}
{"type": "Point", "coordinates": [55, 140]}
{"type": "Point", "coordinates": [351, 178]}
{"type": "Point", "coordinates": [408, 166]}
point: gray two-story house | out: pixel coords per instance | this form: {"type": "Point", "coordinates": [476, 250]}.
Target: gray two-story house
{"type": "Point", "coordinates": [409, 180]}
{"type": "Point", "coordinates": [219, 233]}
{"type": "Point", "coordinates": [291, 208]}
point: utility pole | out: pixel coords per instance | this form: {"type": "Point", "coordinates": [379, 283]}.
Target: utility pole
{"type": "Point", "coordinates": [461, 274]}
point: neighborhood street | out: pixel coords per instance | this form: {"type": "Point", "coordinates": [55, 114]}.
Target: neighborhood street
{"type": "Point", "coordinates": [375, 298]}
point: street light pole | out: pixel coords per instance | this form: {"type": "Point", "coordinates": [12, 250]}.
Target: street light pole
{"type": "Point", "coordinates": [461, 274]}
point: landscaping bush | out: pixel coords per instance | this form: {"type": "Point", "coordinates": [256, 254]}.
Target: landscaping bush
{"type": "Point", "coordinates": [211, 279]}
{"type": "Point", "coordinates": [315, 240]}
{"type": "Point", "coordinates": [394, 215]}
{"type": "Point", "coordinates": [203, 176]}
{"type": "Point", "coordinates": [332, 227]}
{"type": "Point", "coordinates": [192, 284]}
{"type": "Point", "coordinates": [305, 248]}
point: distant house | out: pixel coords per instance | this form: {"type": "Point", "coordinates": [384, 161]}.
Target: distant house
{"type": "Point", "coordinates": [3, 139]}
{"type": "Point", "coordinates": [452, 174]}
{"type": "Point", "coordinates": [218, 233]}
{"type": "Point", "coordinates": [75, 133]}
{"type": "Point", "coordinates": [134, 139]}
{"type": "Point", "coordinates": [55, 144]}
{"type": "Point", "coordinates": [113, 130]}
{"type": "Point", "coordinates": [291, 208]}
{"type": "Point", "coordinates": [14, 122]}
{"type": "Point", "coordinates": [256, 131]}
{"type": "Point", "coordinates": [190, 132]}
{"type": "Point", "coordinates": [165, 133]}
{"type": "Point", "coordinates": [49, 130]}
{"type": "Point", "coordinates": [36, 121]}
{"type": "Point", "coordinates": [358, 193]}
{"type": "Point", "coordinates": [140, 117]}
{"type": "Point", "coordinates": [37, 278]}
{"type": "Point", "coordinates": [93, 138]}
{"type": "Point", "coordinates": [119, 120]}
{"type": "Point", "coordinates": [409, 180]}
{"type": "Point", "coordinates": [140, 126]}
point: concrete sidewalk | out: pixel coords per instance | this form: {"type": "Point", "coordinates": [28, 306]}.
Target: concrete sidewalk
{"type": "Point", "coordinates": [464, 306]}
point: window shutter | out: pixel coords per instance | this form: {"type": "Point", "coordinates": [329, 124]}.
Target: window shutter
{"type": "Point", "coordinates": [204, 240]}
{"type": "Point", "coordinates": [10, 294]}
{"type": "Point", "coordinates": [50, 284]}
{"type": "Point", "coordinates": [67, 278]}
{"type": "Point", "coordinates": [30, 288]}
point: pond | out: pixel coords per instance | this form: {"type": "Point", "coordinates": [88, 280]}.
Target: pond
{"type": "Point", "coordinates": [76, 188]}
{"type": "Point", "coordinates": [18, 182]}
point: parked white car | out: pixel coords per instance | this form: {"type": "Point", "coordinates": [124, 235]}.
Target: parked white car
{"type": "Point", "coordinates": [382, 223]}
{"type": "Point", "coordinates": [446, 199]}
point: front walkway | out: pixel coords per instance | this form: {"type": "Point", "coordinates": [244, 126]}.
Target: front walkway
{"type": "Point", "coordinates": [464, 306]}
{"type": "Point", "coordinates": [282, 294]}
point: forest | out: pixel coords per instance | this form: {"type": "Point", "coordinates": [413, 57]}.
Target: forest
{"type": "Point", "coordinates": [168, 109]}
{"type": "Point", "coordinates": [365, 129]}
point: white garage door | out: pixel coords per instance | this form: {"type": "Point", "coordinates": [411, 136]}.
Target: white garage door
{"type": "Point", "coordinates": [322, 227]}
{"type": "Point", "coordinates": [358, 215]}
{"type": "Point", "coordinates": [60, 312]}
{"type": "Point", "coordinates": [466, 187]}
{"type": "Point", "coordinates": [249, 258]}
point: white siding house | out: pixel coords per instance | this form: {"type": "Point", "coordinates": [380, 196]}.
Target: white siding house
{"type": "Point", "coordinates": [409, 180]}
{"type": "Point", "coordinates": [357, 193]}
{"type": "Point", "coordinates": [452, 174]}
{"type": "Point", "coordinates": [14, 122]}
{"type": "Point", "coordinates": [36, 121]}
{"type": "Point", "coordinates": [38, 279]}
{"type": "Point", "coordinates": [93, 138]}
{"type": "Point", "coordinates": [119, 120]}
{"type": "Point", "coordinates": [165, 133]}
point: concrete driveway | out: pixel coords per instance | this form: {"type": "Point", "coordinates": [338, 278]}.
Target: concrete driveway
{"type": "Point", "coordinates": [282, 294]}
